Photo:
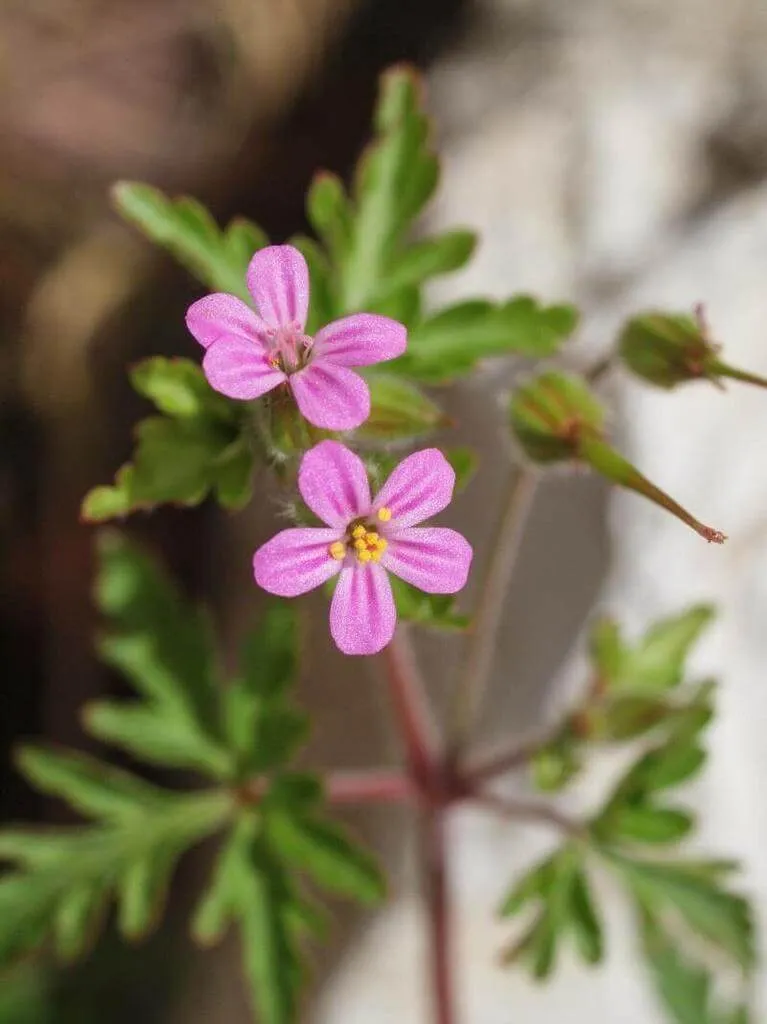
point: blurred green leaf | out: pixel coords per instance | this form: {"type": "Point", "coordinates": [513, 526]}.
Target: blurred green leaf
{"type": "Point", "coordinates": [395, 177]}
{"type": "Point", "coordinates": [164, 646]}
{"type": "Point", "coordinates": [399, 410]}
{"type": "Point", "coordinates": [685, 987]}
{"type": "Point", "coordinates": [450, 343]}
{"type": "Point", "coordinates": [434, 610]}
{"type": "Point", "coordinates": [330, 214]}
{"type": "Point", "coordinates": [711, 912]}
{"type": "Point", "coordinates": [555, 765]}
{"type": "Point", "coordinates": [263, 727]}
{"type": "Point", "coordinates": [322, 849]}
{"type": "Point", "coordinates": [179, 389]}
{"type": "Point", "coordinates": [250, 887]}
{"type": "Point", "coordinates": [657, 661]}
{"type": "Point", "coordinates": [64, 890]}
{"type": "Point", "coordinates": [584, 920]}
{"type": "Point", "coordinates": [198, 447]}
{"type": "Point", "coordinates": [647, 824]}
{"type": "Point", "coordinates": [219, 258]}
{"type": "Point", "coordinates": [430, 257]}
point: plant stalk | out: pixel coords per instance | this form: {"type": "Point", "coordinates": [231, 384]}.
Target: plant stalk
{"type": "Point", "coordinates": [470, 692]}
{"type": "Point", "coordinates": [411, 709]}
{"type": "Point", "coordinates": [437, 900]}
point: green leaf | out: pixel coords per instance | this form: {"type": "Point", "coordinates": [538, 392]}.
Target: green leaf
{"type": "Point", "coordinates": [250, 887]}
{"type": "Point", "coordinates": [324, 851]}
{"type": "Point", "coordinates": [556, 765]}
{"type": "Point", "coordinates": [646, 824]}
{"type": "Point", "coordinates": [263, 728]}
{"type": "Point", "coordinates": [176, 461]}
{"type": "Point", "coordinates": [330, 214]}
{"type": "Point", "coordinates": [434, 610]}
{"type": "Point", "coordinates": [399, 410]}
{"type": "Point", "coordinates": [64, 890]}
{"type": "Point", "coordinates": [584, 920]}
{"type": "Point", "coordinates": [534, 884]}
{"type": "Point", "coordinates": [163, 646]}
{"type": "Point", "coordinates": [395, 177]}
{"type": "Point", "coordinates": [657, 662]}
{"type": "Point", "coordinates": [185, 228]}
{"type": "Point", "coordinates": [88, 785]}
{"type": "Point", "coordinates": [685, 987]}
{"type": "Point", "coordinates": [711, 912]}
{"type": "Point", "coordinates": [450, 343]}
{"type": "Point", "coordinates": [438, 254]}
{"type": "Point", "coordinates": [179, 389]}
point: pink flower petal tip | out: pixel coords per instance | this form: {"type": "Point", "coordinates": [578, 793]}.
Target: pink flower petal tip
{"type": "Point", "coordinates": [365, 539]}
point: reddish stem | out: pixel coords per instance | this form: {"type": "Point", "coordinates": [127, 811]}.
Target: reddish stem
{"type": "Point", "coordinates": [369, 787]}
{"type": "Point", "coordinates": [411, 709]}
{"type": "Point", "coordinates": [436, 895]}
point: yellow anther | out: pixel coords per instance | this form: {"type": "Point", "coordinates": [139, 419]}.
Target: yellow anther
{"type": "Point", "coordinates": [372, 538]}
{"type": "Point", "coordinates": [338, 550]}
{"type": "Point", "coordinates": [376, 555]}
{"type": "Point", "coordinates": [382, 544]}
{"type": "Point", "coordinates": [358, 532]}
{"type": "Point", "coordinates": [384, 514]}
{"type": "Point", "coordinates": [364, 556]}
{"type": "Point", "coordinates": [360, 544]}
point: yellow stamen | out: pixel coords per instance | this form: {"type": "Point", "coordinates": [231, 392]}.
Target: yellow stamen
{"type": "Point", "coordinates": [376, 555]}
{"type": "Point", "coordinates": [372, 538]}
{"type": "Point", "coordinates": [382, 544]}
{"type": "Point", "coordinates": [337, 550]}
{"type": "Point", "coordinates": [360, 544]}
{"type": "Point", "coordinates": [358, 532]}
{"type": "Point", "coordinates": [364, 556]}
{"type": "Point", "coordinates": [384, 514]}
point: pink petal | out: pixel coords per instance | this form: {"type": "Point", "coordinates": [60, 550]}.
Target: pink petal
{"type": "Point", "coordinates": [223, 316]}
{"type": "Point", "coordinates": [278, 280]}
{"type": "Point", "coordinates": [420, 487]}
{"type": "Point", "coordinates": [296, 561]}
{"type": "Point", "coordinates": [432, 558]}
{"type": "Point", "coordinates": [239, 369]}
{"type": "Point", "coordinates": [362, 614]}
{"type": "Point", "coordinates": [331, 397]}
{"type": "Point", "coordinates": [360, 340]}
{"type": "Point", "coordinates": [334, 484]}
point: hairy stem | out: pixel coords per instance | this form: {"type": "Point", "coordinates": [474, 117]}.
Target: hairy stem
{"type": "Point", "coordinates": [472, 684]}
{"type": "Point", "coordinates": [411, 709]}
{"type": "Point", "coordinates": [437, 899]}
{"type": "Point", "coordinates": [369, 787]}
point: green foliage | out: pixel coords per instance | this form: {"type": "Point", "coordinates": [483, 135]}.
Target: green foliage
{"type": "Point", "coordinates": [684, 986]}
{"type": "Point", "coordinates": [199, 446]}
{"type": "Point", "coordinates": [399, 410]}
{"type": "Point", "coordinates": [654, 664]}
{"type": "Point", "coordinates": [434, 610]}
{"type": "Point", "coordinates": [558, 895]}
{"type": "Point", "coordinates": [450, 343]}
{"type": "Point", "coordinates": [241, 737]}
{"type": "Point", "coordinates": [219, 258]}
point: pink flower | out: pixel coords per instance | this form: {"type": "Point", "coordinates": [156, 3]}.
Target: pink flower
{"type": "Point", "coordinates": [365, 540]}
{"type": "Point", "coordinates": [249, 354]}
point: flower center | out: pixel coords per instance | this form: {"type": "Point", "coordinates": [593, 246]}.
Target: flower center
{"type": "Point", "coordinates": [289, 347]}
{"type": "Point", "coordinates": [362, 541]}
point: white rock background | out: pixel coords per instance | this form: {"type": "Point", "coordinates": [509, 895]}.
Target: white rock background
{"type": "Point", "coordinates": [613, 152]}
